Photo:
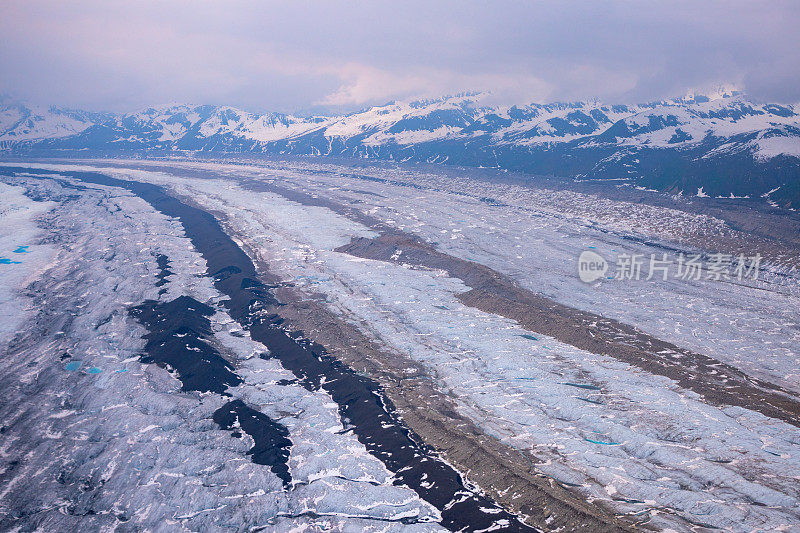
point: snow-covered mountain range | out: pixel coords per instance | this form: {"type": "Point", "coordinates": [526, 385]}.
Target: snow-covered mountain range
{"type": "Point", "coordinates": [723, 143]}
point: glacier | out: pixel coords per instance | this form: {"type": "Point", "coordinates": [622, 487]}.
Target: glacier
{"type": "Point", "coordinates": [133, 449]}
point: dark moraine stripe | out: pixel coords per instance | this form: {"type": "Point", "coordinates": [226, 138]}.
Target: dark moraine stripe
{"type": "Point", "coordinates": [362, 405]}
{"type": "Point", "coordinates": [490, 291]}
{"type": "Point", "coordinates": [176, 339]}
{"type": "Point", "coordinates": [163, 271]}
{"type": "Point", "coordinates": [716, 382]}
{"type": "Point", "coordinates": [271, 442]}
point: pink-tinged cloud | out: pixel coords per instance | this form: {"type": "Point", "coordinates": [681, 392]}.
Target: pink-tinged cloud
{"type": "Point", "coordinates": [291, 55]}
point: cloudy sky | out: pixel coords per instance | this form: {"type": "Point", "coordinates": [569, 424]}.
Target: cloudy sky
{"type": "Point", "coordinates": [293, 55]}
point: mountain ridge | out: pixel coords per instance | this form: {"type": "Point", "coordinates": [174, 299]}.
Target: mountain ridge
{"type": "Point", "coordinates": [720, 145]}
